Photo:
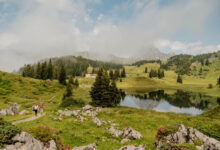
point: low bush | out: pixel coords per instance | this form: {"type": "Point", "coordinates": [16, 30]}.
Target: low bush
{"type": "Point", "coordinates": [7, 132]}
{"type": "Point", "coordinates": [43, 133]}
{"type": "Point", "coordinates": [197, 142]}
{"type": "Point", "coordinates": [70, 101]}
{"type": "Point", "coordinates": [178, 147]}
{"type": "Point", "coordinates": [162, 132]}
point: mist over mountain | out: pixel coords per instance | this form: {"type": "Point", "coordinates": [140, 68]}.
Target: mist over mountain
{"type": "Point", "coordinates": [144, 54]}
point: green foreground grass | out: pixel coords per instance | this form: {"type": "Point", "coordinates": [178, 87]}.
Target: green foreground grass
{"type": "Point", "coordinates": [27, 91]}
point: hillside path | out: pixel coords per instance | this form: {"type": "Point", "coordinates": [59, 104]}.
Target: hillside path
{"type": "Point", "coordinates": [28, 119]}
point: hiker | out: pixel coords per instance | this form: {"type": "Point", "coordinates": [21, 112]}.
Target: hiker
{"type": "Point", "coordinates": [41, 108]}
{"type": "Point", "coordinates": [35, 109]}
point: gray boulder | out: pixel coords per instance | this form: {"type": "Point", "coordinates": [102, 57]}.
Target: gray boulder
{"type": "Point", "coordinates": [115, 132]}
{"type": "Point", "coordinates": [190, 135]}
{"type": "Point", "coordinates": [87, 107]}
{"type": "Point", "coordinates": [98, 109]}
{"type": "Point", "coordinates": [130, 133]}
{"type": "Point", "coordinates": [81, 118]}
{"type": "Point", "coordinates": [125, 141]}
{"type": "Point", "coordinates": [131, 147]}
{"type": "Point", "coordinates": [25, 141]}
{"type": "Point", "coordinates": [12, 110]}
{"type": "Point", "coordinates": [97, 121]}
{"type": "Point", "coordinates": [23, 112]}
{"type": "Point", "coordinates": [76, 112]}
{"type": "Point", "coordinates": [88, 147]}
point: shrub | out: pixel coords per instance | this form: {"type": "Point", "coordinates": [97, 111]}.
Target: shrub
{"type": "Point", "coordinates": [7, 132]}
{"type": "Point", "coordinates": [197, 142]}
{"type": "Point", "coordinates": [164, 131]}
{"type": "Point", "coordinates": [70, 101]}
{"type": "Point", "coordinates": [44, 133]}
{"type": "Point", "coordinates": [210, 86]}
{"type": "Point", "coordinates": [178, 147]}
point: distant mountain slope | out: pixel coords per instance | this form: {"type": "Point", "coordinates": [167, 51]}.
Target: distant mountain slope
{"type": "Point", "coordinates": [188, 64]}
{"type": "Point", "coordinates": [145, 54]}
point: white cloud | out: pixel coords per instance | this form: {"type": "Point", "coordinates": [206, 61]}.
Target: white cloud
{"type": "Point", "coordinates": [45, 28]}
{"type": "Point", "coordinates": [188, 48]}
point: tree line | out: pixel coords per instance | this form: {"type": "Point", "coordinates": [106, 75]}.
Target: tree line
{"type": "Point", "coordinates": [74, 66]}
{"type": "Point", "coordinates": [156, 73]}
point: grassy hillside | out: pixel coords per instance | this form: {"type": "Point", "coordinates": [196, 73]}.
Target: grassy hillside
{"type": "Point", "coordinates": [138, 81]}
{"type": "Point", "coordinates": [27, 91]}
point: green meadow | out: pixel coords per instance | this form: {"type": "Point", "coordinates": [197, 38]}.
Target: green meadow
{"type": "Point", "coordinates": [28, 91]}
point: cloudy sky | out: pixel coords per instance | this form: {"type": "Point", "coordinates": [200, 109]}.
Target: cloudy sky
{"type": "Point", "coordinates": [34, 29]}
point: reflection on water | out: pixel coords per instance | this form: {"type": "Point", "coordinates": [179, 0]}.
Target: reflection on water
{"type": "Point", "coordinates": [180, 102]}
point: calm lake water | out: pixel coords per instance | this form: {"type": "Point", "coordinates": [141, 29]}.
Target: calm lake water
{"type": "Point", "coordinates": [181, 102]}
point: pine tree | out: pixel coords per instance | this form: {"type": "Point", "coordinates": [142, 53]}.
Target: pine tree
{"type": "Point", "coordinates": [115, 95]}
{"type": "Point", "coordinates": [159, 74]}
{"type": "Point", "coordinates": [38, 71]}
{"type": "Point", "coordinates": [111, 74]}
{"type": "Point", "coordinates": [150, 74]}
{"type": "Point", "coordinates": [207, 62]}
{"type": "Point", "coordinates": [162, 74]}
{"type": "Point", "coordinates": [50, 70]}
{"type": "Point", "coordinates": [93, 70]}
{"type": "Point", "coordinates": [97, 89]}
{"type": "Point", "coordinates": [44, 71]}
{"type": "Point", "coordinates": [200, 71]}
{"type": "Point", "coordinates": [102, 92]}
{"type": "Point", "coordinates": [123, 73]}
{"type": "Point", "coordinates": [179, 79]}
{"type": "Point", "coordinates": [71, 80]}
{"type": "Point", "coordinates": [146, 70]}
{"type": "Point", "coordinates": [116, 75]}
{"type": "Point", "coordinates": [76, 83]}
{"type": "Point", "coordinates": [218, 81]}
{"type": "Point", "coordinates": [62, 75]}
{"type": "Point", "coordinates": [55, 73]}
{"type": "Point", "coordinates": [68, 90]}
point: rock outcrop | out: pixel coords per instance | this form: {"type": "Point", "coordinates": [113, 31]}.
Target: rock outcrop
{"type": "Point", "coordinates": [97, 121]}
{"type": "Point", "coordinates": [12, 110]}
{"type": "Point", "coordinates": [88, 147]}
{"type": "Point", "coordinates": [127, 133]}
{"type": "Point", "coordinates": [190, 135]}
{"type": "Point", "coordinates": [115, 132]}
{"type": "Point", "coordinates": [25, 141]}
{"type": "Point", "coordinates": [131, 147]}
{"type": "Point", "coordinates": [23, 112]}
{"type": "Point", "coordinates": [87, 107]}
{"type": "Point", "coordinates": [130, 133]}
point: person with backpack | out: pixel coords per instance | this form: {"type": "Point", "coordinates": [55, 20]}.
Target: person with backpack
{"type": "Point", "coordinates": [41, 108]}
{"type": "Point", "coordinates": [35, 109]}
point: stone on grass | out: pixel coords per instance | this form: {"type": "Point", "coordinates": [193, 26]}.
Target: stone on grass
{"type": "Point", "coordinates": [81, 118]}
{"type": "Point", "coordinates": [130, 133]}
{"type": "Point", "coordinates": [98, 109]}
{"type": "Point", "coordinates": [87, 107]}
{"type": "Point", "coordinates": [115, 132]}
{"type": "Point", "coordinates": [24, 141]}
{"type": "Point", "coordinates": [125, 141]}
{"type": "Point", "coordinates": [76, 112]}
{"type": "Point", "coordinates": [23, 112]}
{"type": "Point", "coordinates": [132, 147]}
{"type": "Point", "coordinates": [97, 121]}
{"type": "Point", "coordinates": [88, 147]}
{"type": "Point", "coordinates": [190, 135]}
{"type": "Point", "coordinates": [12, 110]}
